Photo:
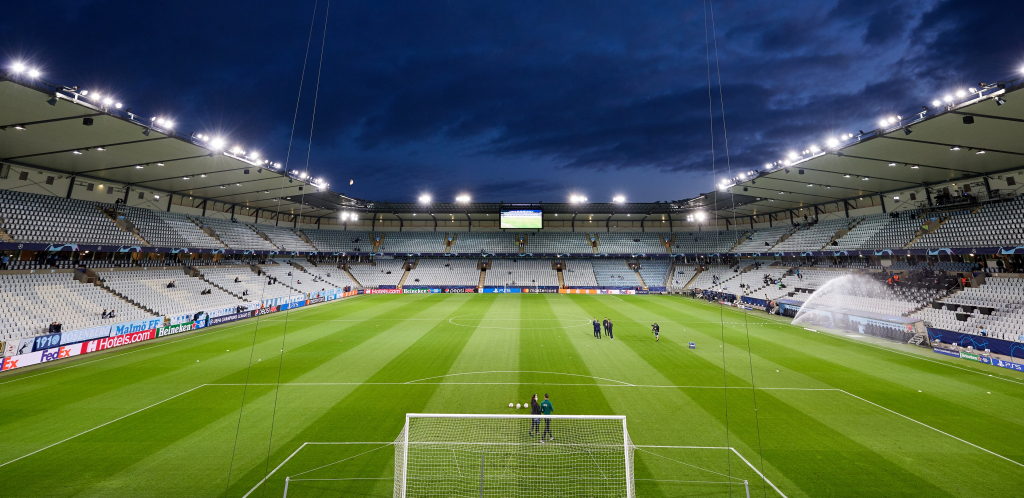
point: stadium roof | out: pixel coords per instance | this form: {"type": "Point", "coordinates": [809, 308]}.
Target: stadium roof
{"type": "Point", "coordinates": [43, 126]}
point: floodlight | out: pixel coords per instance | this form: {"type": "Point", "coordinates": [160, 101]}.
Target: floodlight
{"type": "Point", "coordinates": [18, 67]}
{"type": "Point", "coordinates": [76, 152]}
{"type": "Point", "coordinates": [168, 124]}
{"type": "Point", "coordinates": [815, 149]}
{"type": "Point", "coordinates": [936, 103]}
{"type": "Point", "coordinates": [832, 142]}
{"type": "Point", "coordinates": [117, 105]}
{"type": "Point", "coordinates": [743, 176]}
{"type": "Point", "coordinates": [108, 101]}
{"type": "Point", "coordinates": [955, 147]}
{"type": "Point", "coordinates": [948, 98]}
{"type": "Point", "coordinates": [462, 198]}
{"type": "Point", "coordinates": [84, 93]}
{"type": "Point", "coordinates": [138, 166]}
{"type": "Point", "coordinates": [961, 93]}
{"type": "Point", "coordinates": [255, 155]}
{"type": "Point", "coordinates": [892, 165]}
{"type": "Point", "coordinates": [303, 176]}
{"type": "Point", "coordinates": [980, 152]}
{"type": "Point", "coordinates": [34, 73]}
{"type": "Point", "coordinates": [619, 199]}
{"type": "Point", "coordinates": [425, 199]}
{"type": "Point", "coordinates": [701, 215]}
{"type": "Point", "coordinates": [217, 143]}
{"type": "Point", "coordinates": [794, 156]}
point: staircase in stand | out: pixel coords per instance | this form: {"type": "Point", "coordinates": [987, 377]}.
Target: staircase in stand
{"type": "Point", "coordinates": [919, 339]}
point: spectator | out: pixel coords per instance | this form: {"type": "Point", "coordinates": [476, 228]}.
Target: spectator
{"type": "Point", "coordinates": [170, 285]}
{"type": "Point", "coordinates": [53, 327]}
{"type": "Point", "coordinates": [111, 315]}
{"type": "Point", "coordinates": [104, 315]}
{"type": "Point", "coordinates": [3, 261]}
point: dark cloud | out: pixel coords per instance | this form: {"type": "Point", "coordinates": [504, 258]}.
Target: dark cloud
{"type": "Point", "coordinates": [523, 100]}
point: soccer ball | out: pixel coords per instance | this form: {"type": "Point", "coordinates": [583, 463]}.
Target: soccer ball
{"type": "Point", "coordinates": [518, 406]}
{"type": "Point", "coordinates": [510, 405]}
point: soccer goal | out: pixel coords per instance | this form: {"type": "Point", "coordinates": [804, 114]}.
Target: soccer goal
{"type": "Point", "coordinates": [496, 455]}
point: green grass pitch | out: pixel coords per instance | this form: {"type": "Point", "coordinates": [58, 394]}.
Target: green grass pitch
{"type": "Point", "coordinates": [837, 416]}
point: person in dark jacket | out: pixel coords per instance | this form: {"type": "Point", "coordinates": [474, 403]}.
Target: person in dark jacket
{"type": "Point", "coordinates": [597, 328]}
{"type": "Point", "coordinates": [534, 410]}
{"type": "Point", "coordinates": [610, 325]}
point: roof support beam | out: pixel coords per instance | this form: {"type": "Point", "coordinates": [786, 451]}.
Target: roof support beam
{"type": "Point", "coordinates": [881, 199]}
{"type": "Point", "coordinates": [170, 197]}
{"type": "Point", "coordinates": [573, 222]}
{"type": "Point", "coordinates": [470, 228]}
{"type": "Point", "coordinates": [66, 151]}
{"type": "Point", "coordinates": [71, 187]}
{"type": "Point", "coordinates": [55, 120]}
{"type": "Point", "coordinates": [435, 221]}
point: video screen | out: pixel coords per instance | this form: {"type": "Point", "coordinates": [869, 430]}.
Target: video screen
{"type": "Point", "coordinates": [521, 218]}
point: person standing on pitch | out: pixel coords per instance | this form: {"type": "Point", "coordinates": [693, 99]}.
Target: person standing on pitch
{"type": "Point", "coordinates": [535, 410]}
{"type": "Point", "coordinates": [604, 323]}
{"type": "Point", "coordinates": [546, 409]}
{"type": "Point", "coordinates": [657, 330]}
{"type": "Point", "coordinates": [610, 325]}
{"type": "Point", "coordinates": [597, 328]}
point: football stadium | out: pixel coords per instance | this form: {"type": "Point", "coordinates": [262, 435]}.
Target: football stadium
{"type": "Point", "coordinates": [183, 317]}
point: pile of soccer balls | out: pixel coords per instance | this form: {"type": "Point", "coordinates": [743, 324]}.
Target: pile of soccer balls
{"type": "Point", "coordinates": [518, 405]}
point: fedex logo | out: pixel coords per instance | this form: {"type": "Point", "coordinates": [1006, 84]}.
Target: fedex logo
{"type": "Point", "coordinates": [55, 354]}
{"type": "Point", "coordinates": [9, 363]}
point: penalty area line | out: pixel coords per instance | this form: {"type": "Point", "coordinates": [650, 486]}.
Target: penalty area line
{"type": "Point", "coordinates": [932, 428]}
{"type": "Point", "coordinates": [102, 425]}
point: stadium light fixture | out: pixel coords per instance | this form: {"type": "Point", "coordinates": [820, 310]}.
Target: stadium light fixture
{"type": "Point", "coordinates": [948, 98]}
{"type": "Point", "coordinates": [1000, 101]}
{"type": "Point", "coordinates": [815, 149]}
{"type": "Point", "coordinates": [576, 199]}
{"type": "Point", "coordinates": [961, 94]}
{"type": "Point", "coordinates": [701, 216]}
{"type": "Point", "coordinates": [462, 198]}
{"type": "Point", "coordinates": [936, 103]}
{"type": "Point", "coordinates": [424, 199]}
{"type": "Point", "coordinates": [955, 147]}
{"type": "Point", "coordinates": [793, 156]}
{"type": "Point", "coordinates": [619, 199]}
{"type": "Point", "coordinates": [34, 73]}
{"type": "Point", "coordinates": [18, 68]}
{"type": "Point", "coordinates": [980, 152]}
{"type": "Point", "coordinates": [832, 142]}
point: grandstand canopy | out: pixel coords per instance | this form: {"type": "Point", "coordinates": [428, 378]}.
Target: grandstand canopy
{"type": "Point", "coordinates": [43, 127]}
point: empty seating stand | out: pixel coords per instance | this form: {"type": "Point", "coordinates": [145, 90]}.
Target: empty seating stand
{"type": "Point", "coordinates": [54, 220]}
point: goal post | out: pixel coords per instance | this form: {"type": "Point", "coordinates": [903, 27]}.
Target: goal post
{"type": "Point", "coordinates": [463, 455]}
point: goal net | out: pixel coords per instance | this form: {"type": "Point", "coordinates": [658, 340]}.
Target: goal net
{"type": "Point", "coordinates": [496, 455]}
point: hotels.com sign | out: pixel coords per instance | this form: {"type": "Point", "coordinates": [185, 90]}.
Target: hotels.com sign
{"type": "Point", "coordinates": [120, 340]}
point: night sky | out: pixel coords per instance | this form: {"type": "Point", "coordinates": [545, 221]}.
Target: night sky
{"type": "Point", "coordinates": [520, 101]}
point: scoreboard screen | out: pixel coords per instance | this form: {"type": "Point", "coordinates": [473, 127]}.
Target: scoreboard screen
{"type": "Point", "coordinates": [521, 218]}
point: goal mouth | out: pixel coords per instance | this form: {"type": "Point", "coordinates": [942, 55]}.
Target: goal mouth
{"type": "Point", "coordinates": [513, 455]}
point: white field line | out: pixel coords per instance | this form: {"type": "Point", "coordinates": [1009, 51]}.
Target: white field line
{"type": "Point", "coordinates": [275, 470]}
{"type": "Point", "coordinates": [777, 490]}
{"type": "Point", "coordinates": [518, 371]}
{"type": "Point", "coordinates": [721, 448]}
{"type": "Point", "coordinates": [136, 350]}
{"type": "Point", "coordinates": [519, 384]}
{"type": "Point", "coordinates": [934, 429]}
{"type": "Point", "coordinates": [192, 335]}
{"type": "Point", "coordinates": [102, 425]}
{"type": "Point", "coordinates": [873, 344]}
